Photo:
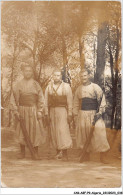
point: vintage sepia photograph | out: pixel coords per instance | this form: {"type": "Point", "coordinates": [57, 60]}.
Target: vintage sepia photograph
{"type": "Point", "coordinates": [61, 94]}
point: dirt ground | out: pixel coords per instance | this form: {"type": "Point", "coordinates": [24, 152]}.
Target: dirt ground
{"type": "Point", "coordinates": [57, 174]}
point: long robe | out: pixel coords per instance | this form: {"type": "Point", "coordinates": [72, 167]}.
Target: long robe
{"type": "Point", "coordinates": [85, 118]}
{"type": "Point", "coordinates": [60, 134]}
{"type": "Point", "coordinates": [28, 113]}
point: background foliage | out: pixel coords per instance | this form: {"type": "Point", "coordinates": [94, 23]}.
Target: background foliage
{"type": "Point", "coordinates": [68, 35]}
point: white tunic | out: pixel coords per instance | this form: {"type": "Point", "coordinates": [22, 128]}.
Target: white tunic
{"type": "Point", "coordinates": [60, 133]}
{"type": "Point", "coordinates": [85, 118]}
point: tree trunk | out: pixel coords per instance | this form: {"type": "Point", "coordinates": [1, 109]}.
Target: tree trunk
{"type": "Point", "coordinates": [11, 88]}
{"type": "Point", "coordinates": [114, 81]}
{"type": "Point", "coordinates": [113, 88]}
{"type": "Point", "coordinates": [100, 64]}
{"type": "Point", "coordinates": [81, 53]}
{"type": "Point", "coordinates": [116, 68]}
{"type": "Point", "coordinates": [64, 50]}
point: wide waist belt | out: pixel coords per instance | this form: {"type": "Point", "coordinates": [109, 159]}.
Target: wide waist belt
{"type": "Point", "coordinates": [28, 100]}
{"type": "Point", "coordinates": [88, 104]}
{"type": "Point", "coordinates": [57, 101]}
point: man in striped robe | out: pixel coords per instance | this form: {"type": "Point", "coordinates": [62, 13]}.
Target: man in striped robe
{"type": "Point", "coordinates": [28, 103]}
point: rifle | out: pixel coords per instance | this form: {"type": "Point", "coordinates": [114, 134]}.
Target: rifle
{"type": "Point", "coordinates": [27, 139]}
{"type": "Point", "coordinates": [43, 132]}
{"type": "Point", "coordinates": [83, 154]}
{"type": "Point", "coordinates": [26, 136]}
{"type": "Point", "coordinates": [47, 125]}
{"type": "Point", "coordinates": [49, 129]}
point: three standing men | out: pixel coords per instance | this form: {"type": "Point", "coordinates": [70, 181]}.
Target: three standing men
{"type": "Point", "coordinates": [88, 99]}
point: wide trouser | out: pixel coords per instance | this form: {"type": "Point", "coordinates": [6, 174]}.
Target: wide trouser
{"type": "Point", "coordinates": [60, 134]}
{"type": "Point", "coordinates": [99, 142]}
{"type": "Point", "coordinates": [32, 124]}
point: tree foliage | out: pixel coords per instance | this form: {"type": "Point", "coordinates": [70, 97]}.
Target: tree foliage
{"type": "Point", "coordinates": [47, 34]}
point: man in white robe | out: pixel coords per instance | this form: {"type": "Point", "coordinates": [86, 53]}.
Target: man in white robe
{"type": "Point", "coordinates": [58, 110]}
{"type": "Point", "coordinates": [89, 102]}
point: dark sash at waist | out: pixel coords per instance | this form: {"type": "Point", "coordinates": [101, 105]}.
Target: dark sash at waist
{"type": "Point", "coordinates": [57, 101]}
{"type": "Point", "coordinates": [28, 99]}
{"type": "Point", "coordinates": [88, 104]}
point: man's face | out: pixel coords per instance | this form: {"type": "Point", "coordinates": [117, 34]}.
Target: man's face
{"type": "Point", "coordinates": [27, 72]}
{"type": "Point", "coordinates": [85, 77]}
{"type": "Point", "coordinates": [57, 76]}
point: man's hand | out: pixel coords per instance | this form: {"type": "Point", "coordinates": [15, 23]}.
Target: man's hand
{"type": "Point", "coordinates": [39, 115]}
{"type": "Point", "coordinates": [69, 119]}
